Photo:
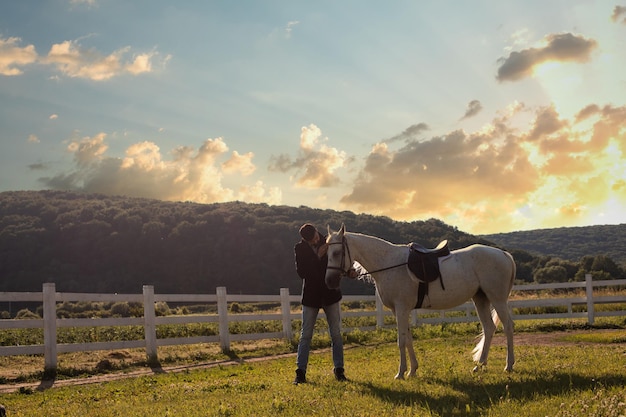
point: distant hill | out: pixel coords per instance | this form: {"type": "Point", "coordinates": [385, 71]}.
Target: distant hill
{"type": "Point", "coordinates": [569, 243]}
{"type": "Point", "coordinates": [98, 243]}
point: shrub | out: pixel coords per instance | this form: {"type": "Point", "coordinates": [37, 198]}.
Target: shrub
{"type": "Point", "coordinates": [26, 314]}
{"type": "Point", "coordinates": [120, 309]}
{"type": "Point", "coordinates": [162, 309]}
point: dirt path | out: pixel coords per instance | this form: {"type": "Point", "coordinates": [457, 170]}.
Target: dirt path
{"type": "Point", "coordinates": [46, 384]}
{"type": "Point", "coordinates": [521, 339]}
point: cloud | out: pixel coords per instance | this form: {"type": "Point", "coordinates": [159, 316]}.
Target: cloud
{"type": "Point", "coordinates": [563, 47]}
{"type": "Point", "coordinates": [546, 123]}
{"type": "Point", "coordinates": [13, 57]}
{"type": "Point", "coordinates": [259, 193]}
{"type": "Point", "coordinates": [473, 108]}
{"type": "Point", "coordinates": [501, 177]}
{"type": "Point", "coordinates": [37, 167]}
{"type": "Point", "coordinates": [75, 61]}
{"type": "Point", "coordinates": [86, 2]}
{"type": "Point", "coordinates": [33, 139]}
{"type": "Point", "coordinates": [239, 163]}
{"type": "Point", "coordinates": [411, 132]}
{"type": "Point", "coordinates": [316, 163]}
{"type": "Point", "coordinates": [187, 175]}
{"type": "Point", "coordinates": [53, 116]}
{"type": "Point", "coordinates": [619, 12]}
{"type": "Point", "coordinates": [142, 63]}
{"type": "Point", "coordinates": [88, 150]}
{"type": "Point", "coordinates": [289, 28]}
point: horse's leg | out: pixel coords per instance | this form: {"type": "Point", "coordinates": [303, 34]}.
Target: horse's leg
{"type": "Point", "coordinates": [483, 309]}
{"type": "Point", "coordinates": [412, 358]}
{"type": "Point", "coordinates": [402, 320]}
{"type": "Point", "coordinates": [507, 322]}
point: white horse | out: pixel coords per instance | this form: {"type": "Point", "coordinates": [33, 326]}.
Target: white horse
{"type": "Point", "coordinates": [482, 273]}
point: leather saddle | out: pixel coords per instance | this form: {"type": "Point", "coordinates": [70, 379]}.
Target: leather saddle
{"type": "Point", "coordinates": [424, 263]}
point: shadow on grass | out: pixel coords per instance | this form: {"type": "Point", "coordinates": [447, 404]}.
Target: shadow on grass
{"type": "Point", "coordinates": [481, 396]}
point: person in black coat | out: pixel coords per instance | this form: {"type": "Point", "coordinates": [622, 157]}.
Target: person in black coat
{"type": "Point", "coordinates": [311, 260]}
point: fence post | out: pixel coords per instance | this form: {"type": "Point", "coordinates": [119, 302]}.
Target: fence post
{"type": "Point", "coordinates": [222, 311]}
{"type": "Point", "coordinates": [285, 307]}
{"type": "Point", "coordinates": [590, 308]}
{"type": "Point", "coordinates": [380, 313]}
{"type": "Point", "coordinates": [50, 328]}
{"type": "Point", "coordinates": [149, 317]}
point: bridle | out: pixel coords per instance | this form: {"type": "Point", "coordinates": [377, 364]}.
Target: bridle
{"type": "Point", "coordinates": [345, 250]}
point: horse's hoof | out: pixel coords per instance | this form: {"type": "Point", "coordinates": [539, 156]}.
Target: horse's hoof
{"type": "Point", "coordinates": [479, 367]}
{"type": "Point", "coordinates": [399, 376]}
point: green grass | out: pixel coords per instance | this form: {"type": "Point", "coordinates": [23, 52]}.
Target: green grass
{"type": "Point", "coordinates": [562, 380]}
{"type": "Point", "coordinates": [18, 369]}
{"type": "Point", "coordinates": [598, 337]}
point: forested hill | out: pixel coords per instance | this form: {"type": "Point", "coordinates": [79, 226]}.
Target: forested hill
{"type": "Point", "coordinates": [569, 243]}
{"type": "Point", "coordinates": [96, 243]}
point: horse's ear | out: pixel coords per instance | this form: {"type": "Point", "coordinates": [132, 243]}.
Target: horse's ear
{"type": "Point", "coordinates": [343, 229]}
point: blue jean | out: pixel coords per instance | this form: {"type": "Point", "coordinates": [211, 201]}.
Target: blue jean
{"type": "Point", "coordinates": [309, 317]}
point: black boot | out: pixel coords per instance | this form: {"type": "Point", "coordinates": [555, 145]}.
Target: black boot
{"type": "Point", "coordinates": [340, 375]}
{"type": "Point", "coordinates": [300, 377]}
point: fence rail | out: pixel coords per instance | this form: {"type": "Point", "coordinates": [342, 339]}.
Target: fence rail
{"type": "Point", "coordinates": [463, 313]}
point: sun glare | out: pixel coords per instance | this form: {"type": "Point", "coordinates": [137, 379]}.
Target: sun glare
{"type": "Point", "coordinates": [561, 82]}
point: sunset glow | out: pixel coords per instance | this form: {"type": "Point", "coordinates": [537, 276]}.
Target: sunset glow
{"type": "Point", "coordinates": [489, 118]}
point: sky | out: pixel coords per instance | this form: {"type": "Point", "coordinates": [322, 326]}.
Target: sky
{"type": "Point", "coordinates": [492, 116]}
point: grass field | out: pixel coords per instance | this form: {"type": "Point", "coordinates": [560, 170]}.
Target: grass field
{"type": "Point", "coordinates": [579, 373]}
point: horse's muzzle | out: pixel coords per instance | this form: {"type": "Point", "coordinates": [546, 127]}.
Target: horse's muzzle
{"type": "Point", "coordinates": [333, 279]}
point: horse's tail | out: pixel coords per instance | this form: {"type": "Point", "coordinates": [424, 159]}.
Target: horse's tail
{"type": "Point", "coordinates": [478, 350]}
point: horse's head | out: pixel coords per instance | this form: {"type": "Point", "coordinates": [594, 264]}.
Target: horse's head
{"type": "Point", "coordinates": [339, 260]}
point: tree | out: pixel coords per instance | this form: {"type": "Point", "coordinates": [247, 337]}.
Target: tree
{"type": "Point", "coordinates": [601, 267]}
{"type": "Point", "coordinates": [547, 274]}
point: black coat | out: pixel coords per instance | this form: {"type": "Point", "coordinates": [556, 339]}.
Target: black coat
{"type": "Point", "coordinates": [312, 270]}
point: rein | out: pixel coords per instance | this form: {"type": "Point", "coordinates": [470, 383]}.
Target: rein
{"type": "Point", "coordinates": [346, 249]}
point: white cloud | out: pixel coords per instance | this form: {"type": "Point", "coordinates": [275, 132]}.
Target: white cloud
{"type": "Point", "coordinates": [239, 163]}
{"type": "Point", "coordinates": [140, 64]}
{"type": "Point", "coordinates": [316, 163]}
{"type": "Point", "coordinates": [259, 193]}
{"type": "Point", "coordinates": [144, 171]}
{"type": "Point", "coordinates": [73, 60]}
{"type": "Point", "coordinates": [486, 181]}
{"type": "Point", "coordinates": [87, 3]}
{"type": "Point", "coordinates": [13, 57]}
{"type": "Point", "coordinates": [289, 28]}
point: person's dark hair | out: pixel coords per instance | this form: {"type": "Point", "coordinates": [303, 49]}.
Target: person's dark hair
{"type": "Point", "coordinates": [307, 231]}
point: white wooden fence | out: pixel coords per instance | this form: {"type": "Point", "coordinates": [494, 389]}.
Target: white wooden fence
{"type": "Point", "coordinates": [50, 323]}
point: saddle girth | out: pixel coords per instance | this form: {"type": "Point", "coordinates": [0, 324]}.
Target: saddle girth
{"type": "Point", "coordinates": [424, 263]}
